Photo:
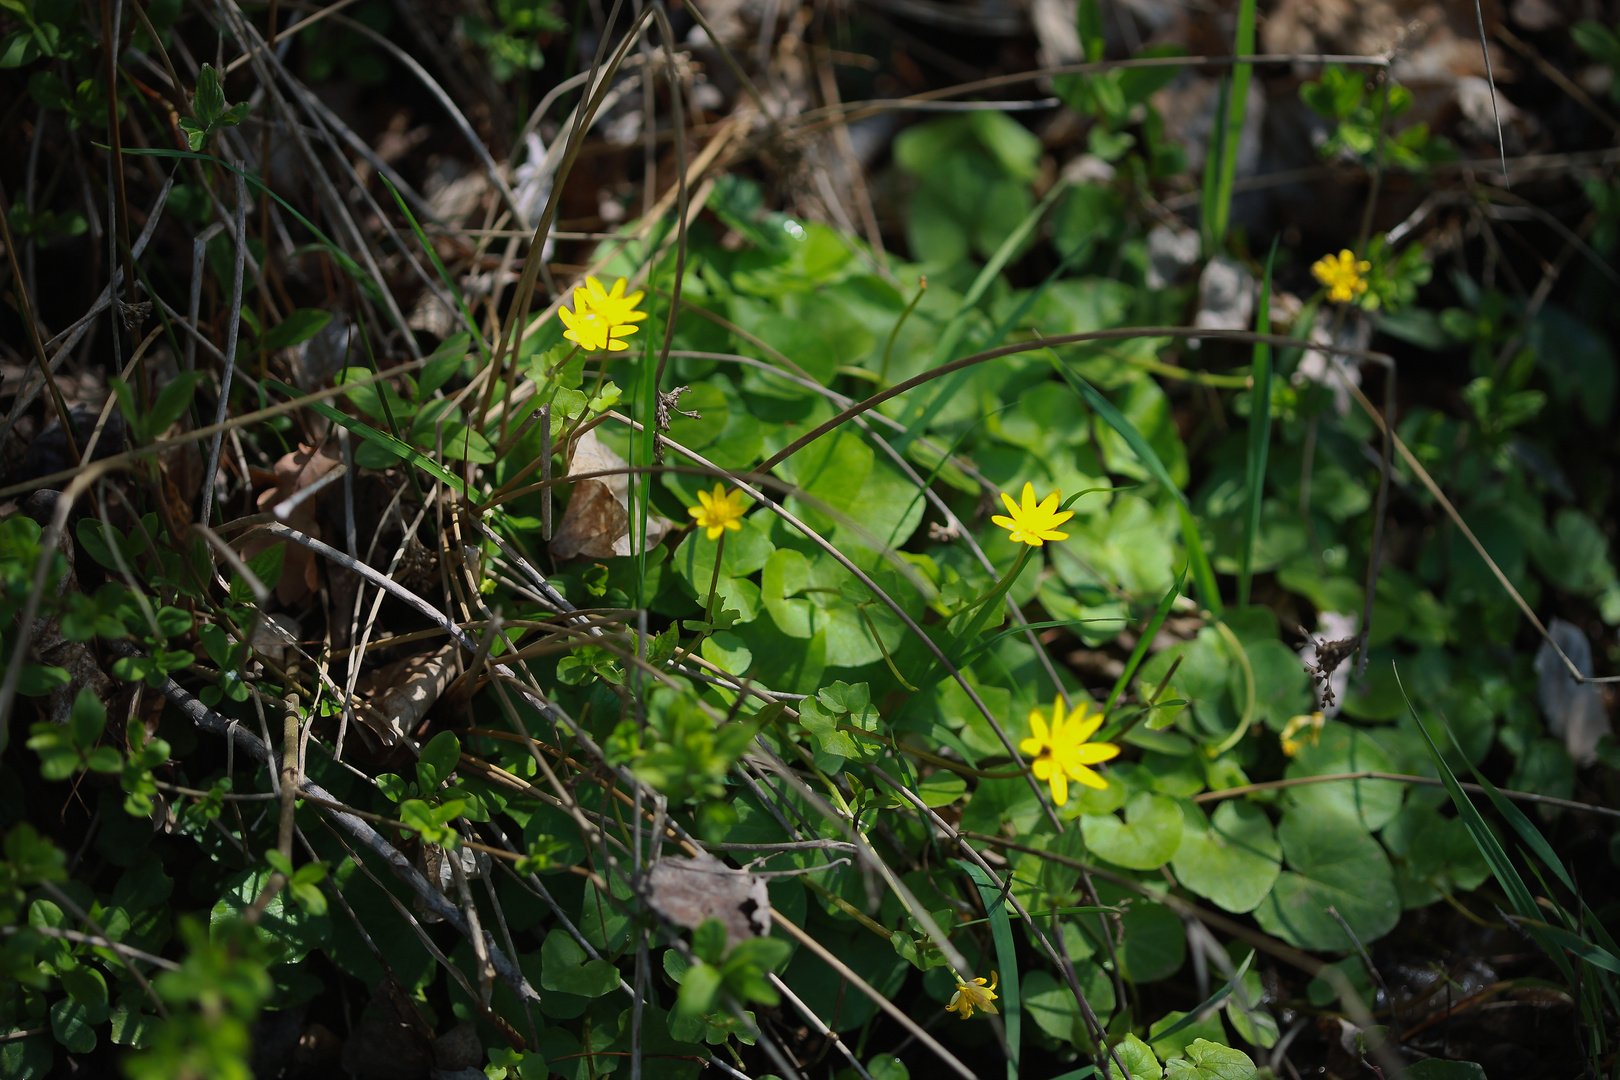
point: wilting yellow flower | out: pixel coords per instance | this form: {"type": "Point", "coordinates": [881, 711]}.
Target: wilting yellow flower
{"type": "Point", "coordinates": [1032, 523]}
{"type": "Point", "coordinates": [592, 332]}
{"type": "Point", "coordinates": [1062, 752]}
{"type": "Point", "coordinates": [614, 306]}
{"type": "Point", "coordinates": [718, 512]}
{"type": "Point", "coordinates": [1342, 274]}
{"type": "Point", "coordinates": [1314, 721]}
{"type": "Point", "coordinates": [974, 995]}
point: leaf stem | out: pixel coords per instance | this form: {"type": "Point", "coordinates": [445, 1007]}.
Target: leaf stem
{"type": "Point", "coordinates": [888, 349]}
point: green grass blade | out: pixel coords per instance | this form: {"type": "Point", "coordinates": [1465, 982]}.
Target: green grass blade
{"type": "Point", "coordinates": [1527, 832]}
{"type": "Point", "coordinates": [337, 254]}
{"type": "Point", "coordinates": [1496, 857]}
{"type": "Point", "coordinates": [438, 266]}
{"type": "Point", "coordinates": [1213, 1000]}
{"type": "Point", "coordinates": [1006, 960]}
{"type": "Point", "coordinates": [1259, 433]}
{"type": "Point", "coordinates": [1149, 632]}
{"type": "Point", "coordinates": [1203, 574]}
{"type": "Point", "coordinates": [381, 438]}
{"type": "Point", "coordinates": [1592, 954]}
{"type": "Point", "coordinates": [993, 601]}
{"type": "Point", "coordinates": [920, 415]}
{"type": "Point", "coordinates": [1237, 102]}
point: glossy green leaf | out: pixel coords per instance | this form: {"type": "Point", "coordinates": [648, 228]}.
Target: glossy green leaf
{"type": "Point", "coordinates": [1232, 858]}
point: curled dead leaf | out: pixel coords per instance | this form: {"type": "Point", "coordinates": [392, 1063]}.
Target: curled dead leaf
{"type": "Point", "coordinates": [689, 892]}
{"type": "Point", "coordinates": [597, 522]}
{"type": "Point", "coordinates": [293, 473]}
{"type": "Point", "coordinates": [404, 691]}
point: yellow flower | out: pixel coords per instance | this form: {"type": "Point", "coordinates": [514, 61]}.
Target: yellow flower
{"type": "Point", "coordinates": [1314, 721]}
{"type": "Point", "coordinates": [592, 332]}
{"type": "Point", "coordinates": [1061, 751]}
{"type": "Point", "coordinates": [1342, 275]}
{"type": "Point", "coordinates": [974, 995]}
{"type": "Point", "coordinates": [1033, 523]}
{"type": "Point", "coordinates": [720, 511]}
{"type": "Point", "coordinates": [615, 307]}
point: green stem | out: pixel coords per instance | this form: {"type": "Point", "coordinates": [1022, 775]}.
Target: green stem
{"type": "Point", "coordinates": [883, 372]}
{"type": "Point", "coordinates": [992, 601]}
{"type": "Point", "coordinates": [708, 610]}
{"type": "Point", "coordinates": [714, 578]}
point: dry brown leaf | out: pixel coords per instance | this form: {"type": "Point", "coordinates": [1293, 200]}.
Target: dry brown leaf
{"type": "Point", "coordinates": [405, 690]}
{"type": "Point", "coordinates": [597, 522]}
{"type": "Point", "coordinates": [294, 472]}
{"type": "Point", "coordinates": [689, 892]}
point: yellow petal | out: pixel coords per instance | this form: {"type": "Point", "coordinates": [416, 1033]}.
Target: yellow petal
{"type": "Point", "coordinates": [1060, 789]}
{"type": "Point", "coordinates": [1037, 726]}
{"type": "Point", "coordinates": [1012, 507]}
{"type": "Point", "coordinates": [1085, 729]}
{"type": "Point", "coordinates": [1028, 498]}
{"type": "Point", "coordinates": [1092, 753]}
{"type": "Point", "coordinates": [1092, 780]}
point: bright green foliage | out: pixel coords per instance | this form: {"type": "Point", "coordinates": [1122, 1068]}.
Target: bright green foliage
{"type": "Point", "coordinates": [303, 883]}
{"type": "Point", "coordinates": [49, 30]}
{"type": "Point", "coordinates": [834, 718]}
{"type": "Point", "coordinates": [212, 111]}
{"type": "Point", "coordinates": [64, 751]}
{"type": "Point", "coordinates": [1145, 840]}
{"type": "Point", "coordinates": [718, 972]}
{"type": "Point", "coordinates": [1342, 95]}
{"type": "Point", "coordinates": [975, 168]}
{"type": "Point", "coordinates": [417, 417]}
{"type": "Point", "coordinates": [214, 997]}
{"type": "Point", "coordinates": [685, 756]}
{"type": "Point", "coordinates": [510, 43]}
{"type": "Point", "coordinates": [433, 823]}
{"type": "Point", "coordinates": [1233, 859]}
{"type": "Point", "coordinates": [1205, 1060]}
{"type": "Point", "coordinates": [796, 698]}
{"type": "Point", "coordinates": [136, 775]}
